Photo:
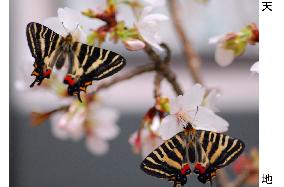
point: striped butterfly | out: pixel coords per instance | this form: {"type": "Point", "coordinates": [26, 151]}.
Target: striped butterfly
{"type": "Point", "coordinates": [204, 151]}
{"type": "Point", "coordinates": [86, 63]}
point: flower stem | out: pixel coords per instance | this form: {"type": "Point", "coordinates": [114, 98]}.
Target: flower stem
{"type": "Point", "coordinates": [192, 58]}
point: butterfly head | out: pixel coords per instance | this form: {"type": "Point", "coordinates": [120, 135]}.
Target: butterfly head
{"type": "Point", "coordinates": [69, 38]}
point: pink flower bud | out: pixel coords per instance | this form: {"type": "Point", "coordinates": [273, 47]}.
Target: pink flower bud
{"type": "Point", "coordinates": [134, 44]}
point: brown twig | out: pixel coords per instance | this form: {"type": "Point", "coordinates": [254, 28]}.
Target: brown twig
{"type": "Point", "coordinates": [128, 75]}
{"type": "Point", "coordinates": [192, 58]}
{"type": "Point", "coordinates": [157, 85]}
{"type": "Point", "coordinates": [171, 78]}
{"type": "Point", "coordinates": [163, 67]}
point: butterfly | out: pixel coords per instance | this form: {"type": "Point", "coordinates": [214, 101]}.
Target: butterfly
{"type": "Point", "coordinates": [198, 151]}
{"type": "Point", "coordinates": [86, 63]}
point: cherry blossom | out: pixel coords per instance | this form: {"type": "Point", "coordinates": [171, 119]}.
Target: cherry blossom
{"type": "Point", "coordinates": [223, 56]}
{"type": "Point", "coordinates": [144, 141]}
{"type": "Point", "coordinates": [232, 45]}
{"type": "Point", "coordinates": [68, 21]}
{"type": "Point", "coordinates": [134, 44]}
{"type": "Point", "coordinates": [101, 127]}
{"type": "Point", "coordinates": [148, 27]}
{"type": "Point", "coordinates": [188, 108]}
{"type": "Point", "coordinates": [210, 100]}
{"type": "Point", "coordinates": [96, 124]}
{"type": "Point", "coordinates": [146, 138]}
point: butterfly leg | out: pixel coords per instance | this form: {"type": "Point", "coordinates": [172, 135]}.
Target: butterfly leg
{"type": "Point", "coordinates": [40, 72]}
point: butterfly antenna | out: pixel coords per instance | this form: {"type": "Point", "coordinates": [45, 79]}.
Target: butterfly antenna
{"type": "Point", "coordinates": [66, 30]}
{"type": "Point", "coordinates": [76, 27]}
{"type": "Point", "coordinates": [195, 115]}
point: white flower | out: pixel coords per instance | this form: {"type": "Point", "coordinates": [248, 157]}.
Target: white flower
{"type": "Point", "coordinates": [97, 124]}
{"type": "Point", "coordinates": [69, 125]}
{"type": "Point", "coordinates": [210, 99]}
{"type": "Point", "coordinates": [223, 56]}
{"type": "Point", "coordinates": [254, 67]}
{"type": "Point", "coordinates": [134, 44]}
{"type": "Point", "coordinates": [188, 108]}
{"type": "Point", "coordinates": [103, 128]}
{"type": "Point", "coordinates": [145, 142]}
{"type": "Point", "coordinates": [148, 26]}
{"type": "Point", "coordinates": [68, 21]}
{"type": "Point", "coordinates": [156, 3]}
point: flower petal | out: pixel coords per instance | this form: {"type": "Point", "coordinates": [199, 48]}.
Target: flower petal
{"type": "Point", "coordinates": [223, 56]}
{"type": "Point", "coordinates": [146, 11]}
{"type": "Point", "coordinates": [96, 145]}
{"type": "Point", "coordinates": [193, 97]}
{"type": "Point", "coordinates": [210, 100]}
{"type": "Point", "coordinates": [107, 132]}
{"type": "Point", "coordinates": [215, 39]}
{"type": "Point", "coordinates": [169, 127]}
{"type": "Point", "coordinates": [190, 100]}
{"type": "Point", "coordinates": [55, 24]}
{"type": "Point", "coordinates": [134, 44]}
{"type": "Point", "coordinates": [69, 17]}
{"type": "Point", "coordinates": [148, 27]}
{"type": "Point", "coordinates": [149, 145]}
{"type": "Point", "coordinates": [176, 104]}
{"type": "Point", "coordinates": [206, 119]}
{"type": "Point", "coordinates": [254, 67]}
{"type": "Point", "coordinates": [150, 37]}
{"type": "Point", "coordinates": [58, 122]}
{"type": "Point", "coordinates": [155, 18]}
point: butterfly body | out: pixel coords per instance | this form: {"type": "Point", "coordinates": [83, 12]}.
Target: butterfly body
{"type": "Point", "coordinates": [85, 63]}
{"type": "Point", "coordinates": [192, 151]}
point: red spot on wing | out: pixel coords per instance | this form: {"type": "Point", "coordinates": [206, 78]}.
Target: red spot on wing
{"type": "Point", "coordinates": [184, 169]}
{"type": "Point", "coordinates": [69, 80]}
{"type": "Point", "coordinates": [47, 73]}
{"type": "Point", "coordinates": [200, 168]}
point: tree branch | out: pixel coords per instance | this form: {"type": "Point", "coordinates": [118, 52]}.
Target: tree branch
{"type": "Point", "coordinates": [128, 75]}
{"type": "Point", "coordinates": [192, 58]}
{"type": "Point", "coordinates": [157, 85]}
{"type": "Point", "coordinates": [171, 78]}
{"type": "Point", "coordinates": [163, 67]}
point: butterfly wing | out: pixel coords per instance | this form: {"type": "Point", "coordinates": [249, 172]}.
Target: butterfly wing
{"type": "Point", "coordinates": [220, 149]}
{"type": "Point", "coordinates": [90, 63]}
{"type": "Point", "coordinates": [168, 161]}
{"type": "Point", "coordinates": [43, 43]}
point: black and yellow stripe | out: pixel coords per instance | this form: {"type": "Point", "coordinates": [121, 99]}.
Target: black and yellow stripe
{"type": "Point", "coordinates": [86, 63]}
{"type": "Point", "coordinates": [210, 150]}
{"type": "Point", "coordinates": [167, 160]}
{"type": "Point", "coordinates": [220, 149]}
{"type": "Point", "coordinates": [97, 63]}
{"type": "Point", "coordinates": [42, 41]}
